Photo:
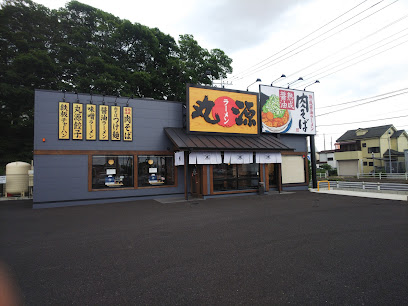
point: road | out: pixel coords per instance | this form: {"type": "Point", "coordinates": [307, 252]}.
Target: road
{"type": "Point", "coordinates": [297, 248]}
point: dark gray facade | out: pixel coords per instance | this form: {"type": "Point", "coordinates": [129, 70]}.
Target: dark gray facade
{"type": "Point", "coordinates": [62, 179]}
{"type": "Point", "coordinates": [61, 176]}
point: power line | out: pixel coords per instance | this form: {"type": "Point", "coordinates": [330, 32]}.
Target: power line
{"type": "Point", "coordinates": [328, 69]}
{"type": "Point", "coordinates": [242, 72]}
{"type": "Point", "coordinates": [353, 64]}
{"type": "Point", "coordinates": [352, 44]}
{"type": "Point", "coordinates": [271, 63]}
{"type": "Point", "coordinates": [344, 103]}
{"type": "Point", "coordinates": [398, 127]}
{"type": "Point", "coordinates": [361, 104]}
{"type": "Point", "coordinates": [320, 125]}
{"type": "Point", "coordinates": [308, 80]}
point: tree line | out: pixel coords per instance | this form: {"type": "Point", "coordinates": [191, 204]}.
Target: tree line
{"type": "Point", "coordinates": [81, 48]}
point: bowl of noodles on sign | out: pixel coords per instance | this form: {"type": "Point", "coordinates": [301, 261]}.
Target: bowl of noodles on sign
{"type": "Point", "coordinates": [275, 119]}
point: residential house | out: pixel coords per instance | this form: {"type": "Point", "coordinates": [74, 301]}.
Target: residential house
{"type": "Point", "coordinates": [366, 150]}
{"type": "Point", "coordinates": [327, 157]}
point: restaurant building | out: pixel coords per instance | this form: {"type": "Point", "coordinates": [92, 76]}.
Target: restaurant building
{"type": "Point", "coordinates": [97, 149]}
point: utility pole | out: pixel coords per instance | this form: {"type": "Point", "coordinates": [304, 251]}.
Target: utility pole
{"type": "Point", "coordinates": [313, 160]}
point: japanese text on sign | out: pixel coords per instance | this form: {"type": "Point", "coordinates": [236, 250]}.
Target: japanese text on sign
{"type": "Point", "coordinates": [212, 110]}
{"type": "Point", "coordinates": [77, 121]}
{"type": "Point", "coordinates": [127, 124]}
{"type": "Point", "coordinates": [103, 122]}
{"type": "Point", "coordinates": [63, 114]}
{"type": "Point", "coordinates": [287, 111]}
{"type": "Point", "coordinates": [115, 121]}
{"type": "Point", "coordinates": [91, 122]}
{"type": "Point", "coordinates": [286, 99]}
{"type": "Point", "coordinates": [302, 103]}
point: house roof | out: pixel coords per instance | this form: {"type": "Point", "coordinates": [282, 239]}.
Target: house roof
{"type": "Point", "coordinates": [372, 132]}
{"type": "Point", "coordinates": [195, 142]}
{"type": "Point", "coordinates": [393, 153]}
{"type": "Point", "coordinates": [327, 151]}
{"type": "Point", "coordinates": [397, 134]}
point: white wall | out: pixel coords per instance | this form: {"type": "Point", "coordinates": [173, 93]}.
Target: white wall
{"type": "Point", "coordinates": [293, 169]}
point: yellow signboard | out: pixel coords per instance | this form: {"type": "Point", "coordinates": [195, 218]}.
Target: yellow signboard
{"type": "Point", "coordinates": [77, 121]}
{"type": "Point", "coordinates": [127, 124]}
{"type": "Point", "coordinates": [63, 120]}
{"type": "Point", "coordinates": [91, 122]}
{"type": "Point", "coordinates": [222, 111]}
{"type": "Point", "coordinates": [115, 122]}
{"type": "Point", "coordinates": [103, 122]}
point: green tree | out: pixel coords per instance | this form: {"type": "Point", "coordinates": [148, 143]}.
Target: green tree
{"type": "Point", "coordinates": [81, 48]}
{"type": "Point", "coordinates": [27, 61]}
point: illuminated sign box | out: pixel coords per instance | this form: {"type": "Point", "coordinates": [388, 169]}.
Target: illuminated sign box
{"type": "Point", "coordinates": [216, 110]}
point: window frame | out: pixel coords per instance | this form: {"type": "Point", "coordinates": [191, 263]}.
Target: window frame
{"type": "Point", "coordinates": [135, 155]}
{"type": "Point", "coordinates": [235, 179]}
{"type": "Point", "coordinates": [370, 150]}
{"type": "Point", "coordinates": [136, 182]}
{"type": "Point", "coordinates": [114, 157]}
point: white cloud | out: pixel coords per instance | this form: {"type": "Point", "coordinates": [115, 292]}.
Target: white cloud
{"type": "Point", "coordinates": [251, 31]}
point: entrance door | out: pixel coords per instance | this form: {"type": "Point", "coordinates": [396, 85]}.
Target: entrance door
{"type": "Point", "coordinates": [196, 190]}
{"type": "Point", "coordinates": [273, 175]}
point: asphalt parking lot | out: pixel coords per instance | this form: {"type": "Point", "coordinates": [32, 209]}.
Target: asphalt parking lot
{"type": "Point", "coordinates": [297, 248]}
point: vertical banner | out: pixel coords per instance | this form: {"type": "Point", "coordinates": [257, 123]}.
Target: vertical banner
{"type": "Point", "coordinates": [103, 122]}
{"type": "Point", "coordinates": [127, 124]}
{"type": "Point", "coordinates": [63, 120]}
{"type": "Point", "coordinates": [77, 121]}
{"type": "Point", "coordinates": [115, 121]}
{"type": "Point", "coordinates": [91, 122]}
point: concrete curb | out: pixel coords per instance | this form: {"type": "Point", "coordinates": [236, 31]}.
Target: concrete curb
{"type": "Point", "coordinates": [364, 194]}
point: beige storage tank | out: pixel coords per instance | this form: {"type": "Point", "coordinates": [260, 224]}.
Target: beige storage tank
{"type": "Point", "coordinates": [17, 178]}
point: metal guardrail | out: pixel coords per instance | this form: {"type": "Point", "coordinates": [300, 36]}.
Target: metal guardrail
{"type": "Point", "coordinates": [365, 186]}
{"type": "Point", "coordinates": [320, 175]}
{"type": "Point", "coordinates": [382, 176]}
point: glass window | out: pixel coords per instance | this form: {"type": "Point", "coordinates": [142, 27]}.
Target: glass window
{"type": "Point", "coordinates": [235, 177]}
{"type": "Point", "coordinates": [224, 177]}
{"type": "Point", "coordinates": [112, 172]}
{"type": "Point", "coordinates": [364, 163]}
{"type": "Point", "coordinates": [374, 150]}
{"type": "Point", "coordinates": [154, 170]}
{"type": "Point", "coordinates": [364, 144]}
{"type": "Point", "coordinates": [371, 164]}
{"type": "Point", "coordinates": [330, 159]}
